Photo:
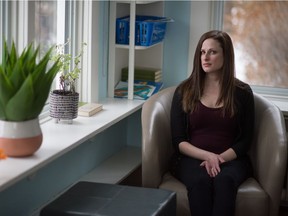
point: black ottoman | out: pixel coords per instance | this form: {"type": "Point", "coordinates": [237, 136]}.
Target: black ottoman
{"type": "Point", "coordinates": [89, 198]}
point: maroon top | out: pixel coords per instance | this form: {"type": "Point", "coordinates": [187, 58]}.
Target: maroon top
{"type": "Point", "coordinates": [210, 131]}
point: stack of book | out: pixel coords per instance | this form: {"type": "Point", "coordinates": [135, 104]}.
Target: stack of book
{"type": "Point", "coordinates": [147, 81]}
{"type": "Point", "coordinates": [144, 74]}
{"type": "Point", "coordinates": [142, 89]}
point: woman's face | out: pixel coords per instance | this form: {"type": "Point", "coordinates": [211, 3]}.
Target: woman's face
{"type": "Point", "coordinates": [211, 56]}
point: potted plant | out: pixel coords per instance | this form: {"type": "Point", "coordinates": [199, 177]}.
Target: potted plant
{"type": "Point", "coordinates": [64, 101]}
{"type": "Point", "coordinates": [24, 88]}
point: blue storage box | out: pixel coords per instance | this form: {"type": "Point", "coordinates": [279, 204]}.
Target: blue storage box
{"type": "Point", "coordinates": [148, 30]}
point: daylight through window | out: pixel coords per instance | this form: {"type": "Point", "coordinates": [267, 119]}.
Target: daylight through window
{"type": "Point", "coordinates": [259, 31]}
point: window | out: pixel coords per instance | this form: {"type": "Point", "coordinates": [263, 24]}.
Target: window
{"type": "Point", "coordinates": [45, 23]}
{"type": "Point", "coordinates": [48, 22]}
{"type": "Point", "coordinates": [259, 33]}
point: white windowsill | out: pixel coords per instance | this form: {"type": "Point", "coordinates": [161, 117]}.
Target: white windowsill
{"type": "Point", "coordinates": [60, 138]}
{"type": "Point", "coordinates": [280, 102]}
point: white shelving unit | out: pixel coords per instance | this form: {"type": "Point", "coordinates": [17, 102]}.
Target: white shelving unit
{"type": "Point", "coordinates": [122, 55]}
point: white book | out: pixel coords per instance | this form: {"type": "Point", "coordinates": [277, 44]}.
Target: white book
{"type": "Point", "coordinates": [89, 109]}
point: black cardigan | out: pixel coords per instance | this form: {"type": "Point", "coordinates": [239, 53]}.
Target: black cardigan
{"type": "Point", "coordinates": [244, 100]}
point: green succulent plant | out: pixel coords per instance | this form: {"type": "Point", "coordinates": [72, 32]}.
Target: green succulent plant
{"type": "Point", "coordinates": [24, 82]}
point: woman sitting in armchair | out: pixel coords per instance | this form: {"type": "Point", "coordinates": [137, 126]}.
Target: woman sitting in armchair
{"type": "Point", "coordinates": [212, 120]}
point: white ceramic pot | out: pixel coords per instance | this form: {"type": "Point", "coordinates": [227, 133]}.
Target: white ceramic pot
{"type": "Point", "coordinates": [20, 139]}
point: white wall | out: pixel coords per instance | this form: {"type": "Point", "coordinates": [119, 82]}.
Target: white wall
{"type": "Point", "coordinates": [200, 22]}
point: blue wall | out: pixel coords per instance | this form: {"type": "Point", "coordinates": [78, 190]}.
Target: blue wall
{"type": "Point", "coordinates": [176, 44]}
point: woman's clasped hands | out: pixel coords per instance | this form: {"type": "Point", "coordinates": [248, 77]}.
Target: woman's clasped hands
{"type": "Point", "coordinates": [212, 164]}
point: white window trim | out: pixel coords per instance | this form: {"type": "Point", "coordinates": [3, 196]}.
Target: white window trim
{"type": "Point", "coordinates": [217, 15]}
{"type": "Point", "coordinates": [89, 33]}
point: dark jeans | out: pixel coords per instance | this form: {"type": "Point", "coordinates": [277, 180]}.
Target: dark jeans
{"type": "Point", "coordinates": [212, 196]}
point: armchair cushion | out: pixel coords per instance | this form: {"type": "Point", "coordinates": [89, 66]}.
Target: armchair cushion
{"type": "Point", "coordinates": [248, 192]}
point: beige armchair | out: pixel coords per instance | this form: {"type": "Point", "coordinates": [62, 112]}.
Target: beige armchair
{"type": "Point", "coordinates": [257, 196]}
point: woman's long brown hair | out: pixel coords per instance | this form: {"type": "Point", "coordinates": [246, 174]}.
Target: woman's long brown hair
{"type": "Point", "coordinates": [192, 88]}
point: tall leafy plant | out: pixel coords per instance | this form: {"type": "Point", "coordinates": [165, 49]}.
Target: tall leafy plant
{"type": "Point", "coordinates": [69, 68]}
{"type": "Point", "coordinates": [24, 82]}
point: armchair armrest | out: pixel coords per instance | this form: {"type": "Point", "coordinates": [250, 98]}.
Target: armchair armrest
{"type": "Point", "coordinates": [269, 150]}
{"type": "Point", "coordinates": [156, 137]}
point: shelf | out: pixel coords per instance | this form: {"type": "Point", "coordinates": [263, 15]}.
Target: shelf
{"type": "Point", "coordinates": [137, 47]}
{"type": "Point", "coordinates": [117, 61]}
{"type": "Point", "coordinates": [138, 1]}
{"type": "Point", "coordinates": [116, 168]}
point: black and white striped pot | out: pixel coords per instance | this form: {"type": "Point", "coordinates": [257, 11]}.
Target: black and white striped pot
{"type": "Point", "coordinates": [63, 106]}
